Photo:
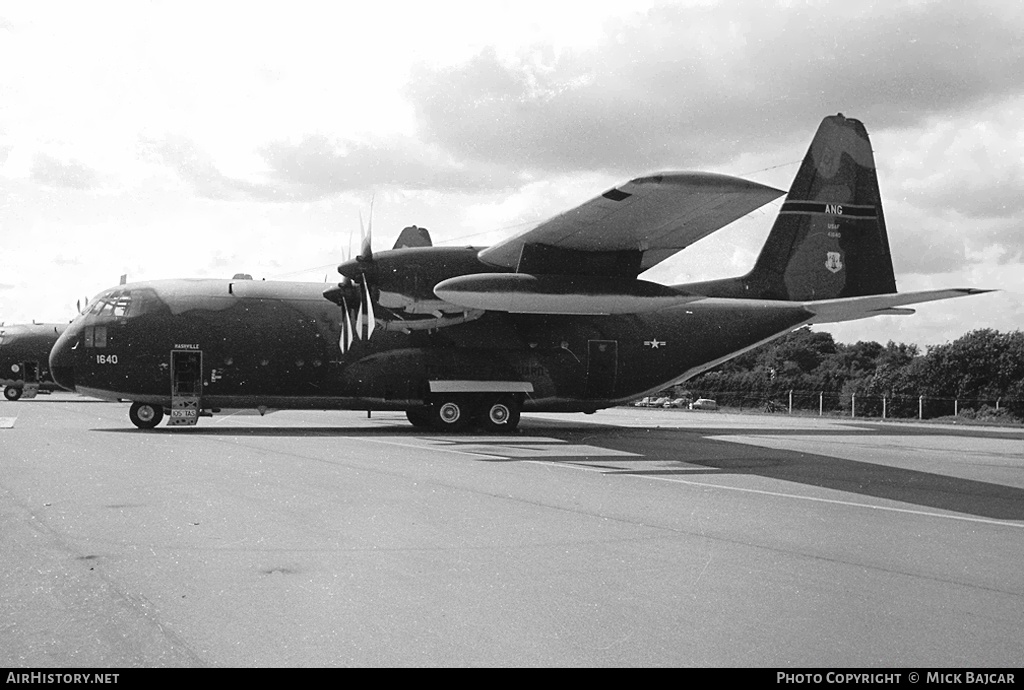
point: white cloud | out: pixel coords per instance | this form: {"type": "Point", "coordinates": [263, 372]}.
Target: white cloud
{"type": "Point", "coordinates": [253, 134]}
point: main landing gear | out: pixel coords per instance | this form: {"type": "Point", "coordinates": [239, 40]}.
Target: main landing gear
{"type": "Point", "coordinates": [145, 415]}
{"type": "Point", "coordinates": [12, 393]}
{"type": "Point", "coordinates": [498, 414]}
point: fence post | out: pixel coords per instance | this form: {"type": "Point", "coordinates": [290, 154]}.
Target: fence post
{"type": "Point", "coordinates": [791, 401]}
{"type": "Point", "coordinates": [821, 403]}
{"type": "Point", "coordinates": [853, 404]}
{"type": "Point", "coordinates": [956, 407]}
{"type": "Point", "coordinates": [997, 404]}
{"type": "Point", "coordinates": [883, 407]}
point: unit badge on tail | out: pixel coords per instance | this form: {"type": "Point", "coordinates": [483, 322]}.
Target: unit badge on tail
{"type": "Point", "coordinates": [834, 261]}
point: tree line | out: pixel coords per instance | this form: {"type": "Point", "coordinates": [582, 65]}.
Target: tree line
{"type": "Point", "coordinates": [980, 375]}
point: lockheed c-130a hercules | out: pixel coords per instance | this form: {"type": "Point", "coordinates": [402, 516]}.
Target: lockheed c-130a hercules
{"type": "Point", "coordinates": [552, 319]}
{"type": "Point", "coordinates": [24, 358]}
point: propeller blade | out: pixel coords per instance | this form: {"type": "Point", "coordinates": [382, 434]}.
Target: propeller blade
{"type": "Point", "coordinates": [359, 321]}
{"type": "Point", "coordinates": [366, 249]}
{"type": "Point", "coordinates": [345, 342]}
{"type": "Point", "coordinates": [371, 320]}
{"type": "Point", "coordinates": [341, 340]}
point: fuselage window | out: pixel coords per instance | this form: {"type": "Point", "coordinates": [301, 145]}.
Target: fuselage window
{"type": "Point", "coordinates": [95, 336]}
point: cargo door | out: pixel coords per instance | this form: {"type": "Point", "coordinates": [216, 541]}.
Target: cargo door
{"type": "Point", "coordinates": [186, 387]}
{"type": "Point", "coordinates": [602, 368]}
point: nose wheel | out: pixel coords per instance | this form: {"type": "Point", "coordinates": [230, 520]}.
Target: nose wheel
{"type": "Point", "coordinates": [12, 393]}
{"type": "Point", "coordinates": [145, 415]}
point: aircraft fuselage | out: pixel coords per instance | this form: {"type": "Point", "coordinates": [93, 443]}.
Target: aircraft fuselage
{"type": "Point", "coordinates": [24, 357]}
{"type": "Point", "coordinates": [277, 345]}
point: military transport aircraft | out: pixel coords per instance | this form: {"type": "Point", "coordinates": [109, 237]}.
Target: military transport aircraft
{"type": "Point", "coordinates": [25, 357]}
{"type": "Point", "coordinates": [552, 319]}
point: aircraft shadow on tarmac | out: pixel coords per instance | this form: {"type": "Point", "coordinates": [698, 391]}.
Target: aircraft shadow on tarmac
{"type": "Point", "coordinates": [691, 447]}
{"type": "Point", "coordinates": [41, 399]}
{"type": "Point", "coordinates": [694, 448]}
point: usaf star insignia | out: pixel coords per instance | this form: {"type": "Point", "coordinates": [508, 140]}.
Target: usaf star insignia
{"type": "Point", "coordinates": [654, 344]}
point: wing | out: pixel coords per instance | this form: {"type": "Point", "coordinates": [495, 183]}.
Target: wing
{"type": "Point", "coordinates": [634, 226]}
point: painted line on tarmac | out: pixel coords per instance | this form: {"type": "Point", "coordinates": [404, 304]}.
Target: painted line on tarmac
{"type": "Point", "coordinates": [444, 449]}
{"type": "Point", "coordinates": [779, 494]}
{"type": "Point", "coordinates": [7, 422]}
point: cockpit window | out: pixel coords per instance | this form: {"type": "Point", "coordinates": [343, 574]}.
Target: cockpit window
{"type": "Point", "coordinates": [121, 304]}
{"type": "Point", "coordinates": [99, 304]}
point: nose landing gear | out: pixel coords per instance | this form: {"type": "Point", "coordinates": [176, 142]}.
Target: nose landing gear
{"type": "Point", "coordinates": [145, 415]}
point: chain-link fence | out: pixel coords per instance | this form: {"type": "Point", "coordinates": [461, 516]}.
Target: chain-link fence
{"type": "Point", "coordinates": [875, 406]}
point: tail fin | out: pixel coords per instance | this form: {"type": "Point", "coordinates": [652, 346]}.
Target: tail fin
{"type": "Point", "coordinates": [829, 240]}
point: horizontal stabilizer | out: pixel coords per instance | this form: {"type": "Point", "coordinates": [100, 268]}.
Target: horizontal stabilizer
{"type": "Point", "coordinates": [522, 293]}
{"type": "Point", "coordinates": [850, 308]}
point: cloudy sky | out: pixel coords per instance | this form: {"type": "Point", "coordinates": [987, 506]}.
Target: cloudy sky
{"type": "Point", "coordinates": [179, 139]}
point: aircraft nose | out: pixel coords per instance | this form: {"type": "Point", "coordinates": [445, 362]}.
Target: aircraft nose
{"type": "Point", "coordinates": [62, 361]}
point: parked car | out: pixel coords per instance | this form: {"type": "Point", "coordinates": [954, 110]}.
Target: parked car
{"type": "Point", "coordinates": [643, 402]}
{"type": "Point", "coordinates": [704, 404]}
{"type": "Point", "coordinates": [678, 402]}
{"type": "Point", "coordinates": [660, 402]}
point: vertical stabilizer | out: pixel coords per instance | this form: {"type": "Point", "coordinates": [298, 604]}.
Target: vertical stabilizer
{"type": "Point", "coordinates": [829, 240]}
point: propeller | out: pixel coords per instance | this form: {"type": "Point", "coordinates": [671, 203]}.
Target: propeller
{"type": "Point", "coordinates": [357, 289]}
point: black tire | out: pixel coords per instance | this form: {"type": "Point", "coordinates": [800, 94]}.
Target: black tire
{"type": "Point", "coordinates": [12, 393]}
{"type": "Point", "coordinates": [145, 415]}
{"type": "Point", "coordinates": [449, 414]}
{"type": "Point", "coordinates": [499, 416]}
{"type": "Point", "coordinates": [419, 417]}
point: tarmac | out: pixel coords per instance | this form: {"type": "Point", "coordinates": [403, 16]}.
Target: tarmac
{"type": "Point", "coordinates": [631, 537]}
